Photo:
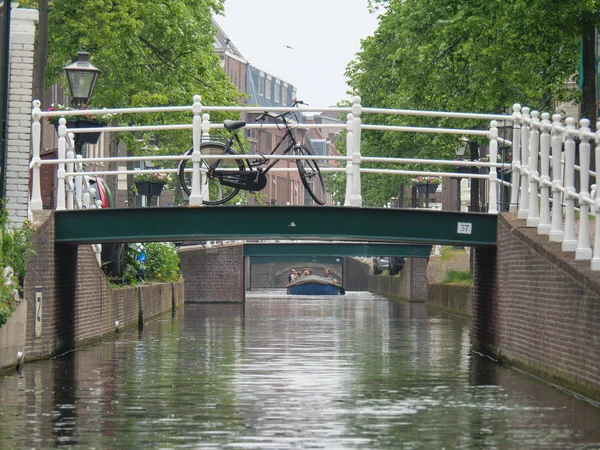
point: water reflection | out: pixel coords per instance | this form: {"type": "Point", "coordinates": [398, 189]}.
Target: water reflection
{"type": "Point", "coordinates": [357, 371]}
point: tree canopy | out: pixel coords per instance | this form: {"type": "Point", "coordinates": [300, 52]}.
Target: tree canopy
{"type": "Point", "coordinates": [146, 50]}
{"type": "Point", "coordinates": [475, 56]}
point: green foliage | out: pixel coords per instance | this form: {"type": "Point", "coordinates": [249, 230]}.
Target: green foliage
{"type": "Point", "coordinates": [458, 277]}
{"type": "Point", "coordinates": [150, 54]}
{"type": "Point", "coordinates": [133, 267]}
{"type": "Point", "coordinates": [162, 262]}
{"type": "Point", "coordinates": [15, 249]}
{"type": "Point", "coordinates": [461, 56]}
{"type": "Point", "coordinates": [144, 49]}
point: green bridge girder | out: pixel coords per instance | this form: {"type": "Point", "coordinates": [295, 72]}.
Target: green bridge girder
{"type": "Point", "coordinates": [335, 249]}
{"type": "Point", "coordinates": [329, 260]}
{"type": "Point", "coordinates": [415, 226]}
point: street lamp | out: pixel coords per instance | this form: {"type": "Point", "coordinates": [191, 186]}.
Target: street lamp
{"type": "Point", "coordinates": [82, 76]}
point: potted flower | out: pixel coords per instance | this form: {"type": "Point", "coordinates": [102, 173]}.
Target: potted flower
{"type": "Point", "coordinates": [86, 121]}
{"type": "Point", "coordinates": [150, 183]}
{"type": "Point", "coordinates": [426, 185]}
{"type": "Point", "coordinates": [486, 159]}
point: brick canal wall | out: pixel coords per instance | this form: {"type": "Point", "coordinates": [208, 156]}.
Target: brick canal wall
{"type": "Point", "coordinates": [356, 275]}
{"type": "Point", "coordinates": [213, 275]}
{"type": "Point", "coordinates": [78, 306]}
{"type": "Point", "coordinates": [537, 308]}
{"type": "Point", "coordinates": [411, 284]}
{"type": "Point", "coordinates": [452, 298]}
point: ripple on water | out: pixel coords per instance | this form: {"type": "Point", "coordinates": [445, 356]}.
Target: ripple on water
{"type": "Point", "coordinates": [353, 371]}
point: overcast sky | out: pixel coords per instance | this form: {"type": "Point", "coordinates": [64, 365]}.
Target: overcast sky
{"type": "Point", "coordinates": [324, 36]}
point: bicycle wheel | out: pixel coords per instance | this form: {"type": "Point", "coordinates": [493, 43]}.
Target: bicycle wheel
{"type": "Point", "coordinates": [217, 193]}
{"type": "Point", "coordinates": [311, 177]}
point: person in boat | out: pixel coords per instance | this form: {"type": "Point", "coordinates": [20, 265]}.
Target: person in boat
{"type": "Point", "coordinates": [293, 275]}
{"type": "Point", "coordinates": [306, 273]}
{"type": "Point", "coordinates": [327, 274]}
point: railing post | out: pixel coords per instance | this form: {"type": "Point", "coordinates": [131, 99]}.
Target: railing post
{"type": "Point", "coordinates": [196, 194]}
{"type": "Point", "coordinates": [79, 181]}
{"type": "Point", "coordinates": [349, 152]}
{"type": "Point", "coordinates": [70, 178]}
{"type": "Point", "coordinates": [356, 197]}
{"type": "Point", "coordinates": [493, 176]}
{"type": "Point", "coordinates": [203, 170]}
{"type": "Point", "coordinates": [556, 232]}
{"type": "Point", "coordinates": [545, 183]}
{"type": "Point", "coordinates": [91, 202]}
{"type": "Point", "coordinates": [36, 135]}
{"type": "Point", "coordinates": [569, 243]}
{"type": "Point", "coordinates": [584, 251]}
{"type": "Point", "coordinates": [524, 205]}
{"type": "Point", "coordinates": [595, 265]}
{"type": "Point", "coordinates": [60, 173]}
{"type": "Point", "coordinates": [515, 176]}
{"type": "Point", "coordinates": [533, 218]}
{"type": "Point", "coordinates": [205, 127]}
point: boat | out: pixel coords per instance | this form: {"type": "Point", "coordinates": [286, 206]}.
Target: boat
{"type": "Point", "coordinates": [314, 285]}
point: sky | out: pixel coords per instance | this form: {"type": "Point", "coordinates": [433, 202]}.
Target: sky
{"type": "Point", "coordinates": [324, 36]}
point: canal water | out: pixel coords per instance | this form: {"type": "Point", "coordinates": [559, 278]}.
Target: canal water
{"type": "Point", "coordinates": [355, 371]}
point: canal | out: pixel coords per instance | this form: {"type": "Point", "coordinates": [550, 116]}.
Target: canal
{"type": "Point", "coordinates": [356, 371]}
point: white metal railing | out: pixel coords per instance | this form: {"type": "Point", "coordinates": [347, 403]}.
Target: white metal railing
{"type": "Point", "coordinates": [540, 143]}
{"type": "Point", "coordinates": [201, 127]}
{"type": "Point", "coordinates": [543, 166]}
{"type": "Point", "coordinates": [543, 162]}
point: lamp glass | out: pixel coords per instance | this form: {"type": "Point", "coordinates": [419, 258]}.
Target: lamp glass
{"type": "Point", "coordinates": [82, 76]}
{"type": "Point", "coordinates": [81, 83]}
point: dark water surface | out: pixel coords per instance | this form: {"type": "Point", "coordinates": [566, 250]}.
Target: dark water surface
{"type": "Point", "coordinates": [357, 371]}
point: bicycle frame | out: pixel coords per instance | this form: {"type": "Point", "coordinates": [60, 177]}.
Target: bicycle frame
{"type": "Point", "coordinates": [269, 165]}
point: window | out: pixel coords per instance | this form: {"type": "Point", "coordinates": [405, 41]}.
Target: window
{"type": "Point", "coordinates": [268, 88]}
{"type": "Point", "coordinates": [308, 200]}
{"type": "Point", "coordinates": [284, 96]}
{"type": "Point", "coordinates": [261, 85]}
{"type": "Point", "coordinates": [277, 91]}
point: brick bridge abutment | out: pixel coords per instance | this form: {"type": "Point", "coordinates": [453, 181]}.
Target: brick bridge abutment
{"type": "Point", "coordinates": [537, 309]}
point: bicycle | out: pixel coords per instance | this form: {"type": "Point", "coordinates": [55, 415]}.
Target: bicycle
{"type": "Point", "coordinates": [226, 177]}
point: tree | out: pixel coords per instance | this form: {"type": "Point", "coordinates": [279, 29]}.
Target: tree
{"type": "Point", "coordinates": [149, 53]}
{"type": "Point", "coordinates": [479, 56]}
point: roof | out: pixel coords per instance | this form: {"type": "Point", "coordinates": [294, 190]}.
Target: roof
{"type": "Point", "coordinates": [223, 43]}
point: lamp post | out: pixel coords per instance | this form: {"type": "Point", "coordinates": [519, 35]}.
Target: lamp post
{"type": "Point", "coordinates": [82, 77]}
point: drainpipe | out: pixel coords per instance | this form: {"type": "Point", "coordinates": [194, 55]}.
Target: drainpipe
{"type": "Point", "coordinates": [4, 60]}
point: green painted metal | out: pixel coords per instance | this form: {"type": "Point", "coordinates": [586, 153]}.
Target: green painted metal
{"type": "Point", "coordinates": [296, 259]}
{"type": "Point", "coordinates": [336, 249]}
{"type": "Point", "coordinates": [414, 226]}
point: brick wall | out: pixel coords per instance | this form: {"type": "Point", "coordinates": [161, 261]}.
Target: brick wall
{"type": "Point", "coordinates": [22, 39]}
{"type": "Point", "coordinates": [356, 275]}
{"type": "Point", "coordinates": [79, 306]}
{"type": "Point", "coordinates": [537, 308]}
{"type": "Point", "coordinates": [454, 298]}
{"type": "Point", "coordinates": [411, 284]}
{"type": "Point", "coordinates": [213, 275]}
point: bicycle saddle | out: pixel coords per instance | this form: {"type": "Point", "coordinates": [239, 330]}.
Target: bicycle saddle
{"type": "Point", "coordinates": [233, 124]}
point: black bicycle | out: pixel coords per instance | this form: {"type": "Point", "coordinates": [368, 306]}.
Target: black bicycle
{"type": "Point", "coordinates": [226, 177]}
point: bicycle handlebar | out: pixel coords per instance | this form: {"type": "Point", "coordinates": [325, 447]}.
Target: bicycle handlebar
{"type": "Point", "coordinates": [295, 102]}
